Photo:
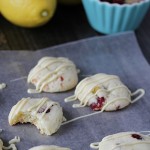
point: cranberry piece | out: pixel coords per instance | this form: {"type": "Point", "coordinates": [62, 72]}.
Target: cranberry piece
{"type": "Point", "coordinates": [99, 104]}
{"type": "Point", "coordinates": [61, 78]}
{"type": "Point", "coordinates": [138, 137]}
{"type": "Point", "coordinates": [41, 110]}
{"type": "Point", "coordinates": [94, 106]}
{"type": "Point", "coordinates": [48, 110]}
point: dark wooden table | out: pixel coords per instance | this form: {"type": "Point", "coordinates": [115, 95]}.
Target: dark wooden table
{"type": "Point", "coordinates": [68, 24]}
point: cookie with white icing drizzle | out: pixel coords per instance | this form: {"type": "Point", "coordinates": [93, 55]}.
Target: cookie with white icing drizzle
{"type": "Point", "coordinates": [53, 74]}
{"type": "Point", "coordinates": [48, 147]}
{"type": "Point", "coordinates": [123, 141]}
{"type": "Point", "coordinates": [103, 92]}
{"type": "Point", "coordinates": [44, 113]}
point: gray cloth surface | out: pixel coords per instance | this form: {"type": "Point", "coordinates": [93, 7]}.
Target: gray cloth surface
{"type": "Point", "coordinates": [116, 54]}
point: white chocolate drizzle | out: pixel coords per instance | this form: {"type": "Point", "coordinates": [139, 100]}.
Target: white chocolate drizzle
{"type": "Point", "coordinates": [20, 105]}
{"type": "Point", "coordinates": [96, 145]}
{"type": "Point", "coordinates": [47, 62]}
{"type": "Point", "coordinates": [18, 79]}
{"type": "Point", "coordinates": [85, 87]}
{"type": "Point", "coordinates": [15, 140]}
{"type": "Point", "coordinates": [36, 106]}
{"type": "Point", "coordinates": [44, 113]}
{"type": "Point", "coordinates": [12, 143]}
{"type": "Point", "coordinates": [40, 103]}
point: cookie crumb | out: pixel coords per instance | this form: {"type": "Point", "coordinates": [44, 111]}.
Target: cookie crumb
{"type": "Point", "coordinates": [2, 86]}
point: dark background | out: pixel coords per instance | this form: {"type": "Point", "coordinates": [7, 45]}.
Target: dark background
{"type": "Point", "coordinates": [68, 24]}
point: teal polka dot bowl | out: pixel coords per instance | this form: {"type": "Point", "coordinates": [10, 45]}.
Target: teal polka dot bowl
{"type": "Point", "coordinates": [110, 18]}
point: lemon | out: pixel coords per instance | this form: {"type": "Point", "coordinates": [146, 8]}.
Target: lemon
{"type": "Point", "coordinates": [28, 13]}
{"type": "Point", "coordinates": [70, 2]}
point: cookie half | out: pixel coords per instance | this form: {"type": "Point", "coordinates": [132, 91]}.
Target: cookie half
{"type": "Point", "coordinates": [53, 74]}
{"type": "Point", "coordinates": [44, 113]}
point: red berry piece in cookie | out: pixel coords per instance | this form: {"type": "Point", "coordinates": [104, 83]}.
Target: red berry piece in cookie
{"type": "Point", "coordinates": [61, 78]}
{"type": "Point", "coordinates": [42, 109]}
{"type": "Point", "coordinates": [99, 104]}
{"type": "Point", "coordinates": [137, 136]}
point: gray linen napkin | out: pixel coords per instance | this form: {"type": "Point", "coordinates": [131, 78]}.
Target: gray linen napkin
{"type": "Point", "coordinates": [115, 54]}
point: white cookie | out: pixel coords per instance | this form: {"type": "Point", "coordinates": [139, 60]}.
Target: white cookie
{"type": "Point", "coordinates": [44, 113]}
{"type": "Point", "coordinates": [47, 147]}
{"type": "Point", "coordinates": [53, 74]}
{"type": "Point", "coordinates": [103, 92]}
{"type": "Point", "coordinates": [124, 141]}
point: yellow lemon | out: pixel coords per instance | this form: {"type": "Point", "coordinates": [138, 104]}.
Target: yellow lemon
{"type": "Point", "coordinates": [28, 13]}
{"type": "Point", "coordinates": [69, 2]}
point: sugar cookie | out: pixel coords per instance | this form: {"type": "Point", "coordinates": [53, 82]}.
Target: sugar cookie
{"type": "Point", "coordinates": [103, 92]}
{"type": "Point", "coordinates": [44, 113]}
{"type": "Point", "coordinates": [53, 74]}
{"type": "Point", "coordinates": [124, 141]}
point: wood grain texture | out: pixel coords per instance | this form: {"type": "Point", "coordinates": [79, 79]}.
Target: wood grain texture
{"type": "Point", "coordinates": [3, 41]}
{"type": "Point", "coordinates": [68, 24]}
